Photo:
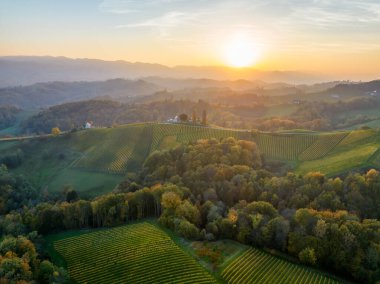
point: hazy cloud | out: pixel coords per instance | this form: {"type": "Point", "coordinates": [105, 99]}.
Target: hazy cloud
{"type": "Point", "coordinates": [272, 21]}
{"type": "Point", "coordinates": [170, 19]}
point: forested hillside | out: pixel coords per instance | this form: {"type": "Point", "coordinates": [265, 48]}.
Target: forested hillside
{"type": "Point", "coordinates": [211, 190]}
{"type": "Point", "coordinates": [53, 93]}
{"type": "Point", "coordinates": [355, 89]}
{"type": "Point", "coordinates": [249, 111]}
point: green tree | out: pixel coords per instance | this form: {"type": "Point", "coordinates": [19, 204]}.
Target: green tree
{"type": "Point", "coordinates": [188, 230]}
{"type": "Point", "coordinates": [170, 200]}
{"type": "Point", "coordinates": [189, 212]}
{"type": "Point", "coordinates": [307, 256]}
{"type": "Point", "coordinates": [46, 271]}
{"type": "Point", "coordinates": [14, 268]}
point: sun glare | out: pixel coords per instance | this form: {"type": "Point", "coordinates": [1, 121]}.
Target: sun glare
{"type": "Point", "coordinates": [240, 51]}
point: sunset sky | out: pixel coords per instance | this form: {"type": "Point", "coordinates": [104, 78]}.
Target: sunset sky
{"type": "Point", "coordinates": [337, 36]}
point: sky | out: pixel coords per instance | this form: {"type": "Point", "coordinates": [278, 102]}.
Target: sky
{"type": "Point", "coordinates": [330, 37]}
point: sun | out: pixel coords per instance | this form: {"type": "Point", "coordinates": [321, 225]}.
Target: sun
{"type": "Point", "coordinates": [240, 51]}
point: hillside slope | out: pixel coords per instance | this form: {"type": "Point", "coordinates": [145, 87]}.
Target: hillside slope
{"type": "Point", "coordinates": [95, 160]}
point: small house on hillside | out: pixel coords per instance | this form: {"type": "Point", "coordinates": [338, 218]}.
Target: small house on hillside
{"type": "Point", "coordinates": [88, 125]}
{"type": "Point", "coordinates": [184, 118]}
{"type": "Point", "coordinates": [174, 120]}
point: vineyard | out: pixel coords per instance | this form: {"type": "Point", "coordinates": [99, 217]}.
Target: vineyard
{"type": "Point", "coordinates": [322, 146]}
{"type": "Point", "coordinates": [283, 146]}
{"type": "Point", "coordinates": [255, 266]}
{"type": "Point", "coordinates": [356, 136]}
{"type": "Point", "coordinates": [125, 148]}
{"type": "Point", "coordinates": [138, 253]}
{"type": "Point", "coordinates": [111, 150]}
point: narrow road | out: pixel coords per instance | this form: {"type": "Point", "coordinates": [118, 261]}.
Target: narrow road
{"type": "Point", "coordinates": [18, 138]}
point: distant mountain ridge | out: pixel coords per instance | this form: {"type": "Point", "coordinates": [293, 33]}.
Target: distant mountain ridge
{"type": "Point", "coordinates": [27, 70]}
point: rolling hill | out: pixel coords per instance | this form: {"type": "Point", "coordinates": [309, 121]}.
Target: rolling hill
{"type": "Point", "coordinates": [42, 95]}
{"type": "Point", "coordinates": [94, 161]}
{"type": "Point", "coordinates": [143, 252]}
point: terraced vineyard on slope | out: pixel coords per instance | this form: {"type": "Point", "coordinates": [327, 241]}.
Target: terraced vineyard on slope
{"type": "Point", "coordinates": [356, 136]}
{"type": "Point", "coordinates": [283, 146]}
{"type": "Point", "coordinates": [111, 149]}
{"type": "Point", "coordinates": [322, 146]}
{"type": "Point", "coordinates": [139, 253]}
{"type": "Point", "coordinates": [255, 266]}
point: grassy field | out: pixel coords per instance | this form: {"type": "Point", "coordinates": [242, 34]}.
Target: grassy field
{"type": "Point", "coordinates": [358, 150]}
{"type": "Point", "coordinates": [88, 184]}
{"type": "Point", "coordinates": [356, 136]}
{"type": "Point", "coordinates": [137, 253]}
{"type": "Point", "coordinates": [4, 145]}
{"type": "Point", "coordinates": [94, 161]}
{"type": "Point", "coordinates": [341, 161]}
{"type": "Point", "coordinates": [48, 164]}
{"type": "Point", "coordinates": [256, 266]}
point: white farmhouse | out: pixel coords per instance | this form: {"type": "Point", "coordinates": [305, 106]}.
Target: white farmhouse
{"type": "Point", "coordinates": [88, 125]}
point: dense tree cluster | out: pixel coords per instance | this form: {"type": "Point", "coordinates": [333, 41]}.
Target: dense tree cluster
{"type": "Point", "coordinates": [230, 171]}
{"type": "Point", "coordinates": [327, 116]}
{"type": "Point", "coordinates": [7, 116]}
{"type": "Point", "coordinates": [321, 116]}
{"type": "Point", "coordinates": [12, 159]}
{"type": "Point", "coordinates": [20, 263]}
{"type": "Point", "coordinates": [15, 191]}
